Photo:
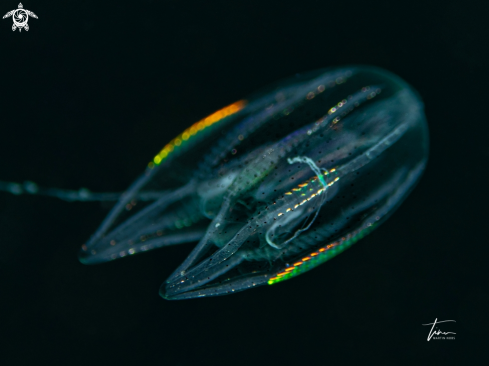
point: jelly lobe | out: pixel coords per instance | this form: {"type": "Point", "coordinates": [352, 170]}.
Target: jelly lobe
{"type": "Point", "coordinates": [275, 184]}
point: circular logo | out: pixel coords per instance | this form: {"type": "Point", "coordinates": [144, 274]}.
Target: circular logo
{"type": "Point", "coordinates": [20, 18]}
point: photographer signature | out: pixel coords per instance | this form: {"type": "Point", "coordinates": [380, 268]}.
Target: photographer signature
{"type": "Point", "coordinates": [438, 332]}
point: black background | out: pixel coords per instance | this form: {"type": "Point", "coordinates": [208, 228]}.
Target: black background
{"type": "Point", "coordinates": [95, 89]}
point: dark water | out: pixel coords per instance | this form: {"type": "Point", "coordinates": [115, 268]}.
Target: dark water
{"type": "Point", "coordinates": [93, 90]}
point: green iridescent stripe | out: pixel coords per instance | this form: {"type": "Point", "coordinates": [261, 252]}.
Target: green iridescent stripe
{"type": "Point", "coordinates": [321, 257]}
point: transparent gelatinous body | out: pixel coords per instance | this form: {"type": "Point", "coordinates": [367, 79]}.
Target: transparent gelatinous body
{"type": "Point", "coordinates": [276, 184]}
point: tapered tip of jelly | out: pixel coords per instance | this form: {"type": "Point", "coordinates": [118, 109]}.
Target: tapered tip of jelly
{"type": "Point", "coordinates": [164, 293]}
{"type": "Point", "coordinates": [85, 256]}
{"type": "Point", "coordinates": [171, 295]}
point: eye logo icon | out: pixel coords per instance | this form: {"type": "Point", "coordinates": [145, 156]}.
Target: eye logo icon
{"type": "Point", "coordinates": [20, 17]}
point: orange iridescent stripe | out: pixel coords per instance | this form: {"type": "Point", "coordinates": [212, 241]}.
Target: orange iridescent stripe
{"type": "Point", "coordinates": [297, 264]}
{"type": "Point", "coordinates": [196, 128]}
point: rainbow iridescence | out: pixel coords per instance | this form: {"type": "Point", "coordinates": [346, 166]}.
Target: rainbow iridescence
{"type": "Point", "coordinates": [195, 129]}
